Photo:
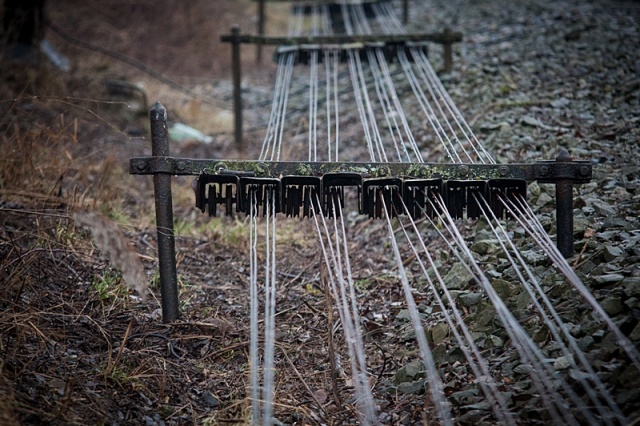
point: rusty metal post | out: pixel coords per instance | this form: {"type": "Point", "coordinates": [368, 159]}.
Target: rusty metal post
{"type": "Point", "coordinates": [564, 209]}
{"type": "Point", "coordinates": [237, 80]}
{"type": "Point", "coordinates": [164, 217]}
{"type": "Point", "coordinates": [405, 12]}
{"type": "Point", "coordinates": [261, 19]}
{"type": "Point", "coordinates": [448, 50]}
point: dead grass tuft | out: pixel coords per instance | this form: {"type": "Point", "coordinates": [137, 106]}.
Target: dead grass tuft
{"type": "Point", "coordinates": [110, 240]}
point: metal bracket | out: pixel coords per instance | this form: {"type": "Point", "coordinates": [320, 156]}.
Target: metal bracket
{"type": "Point", "coordinates": [575, 171]}
{"type": "Point", "coordinates": [295, 185]}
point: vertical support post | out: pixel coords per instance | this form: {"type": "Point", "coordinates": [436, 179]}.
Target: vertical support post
{"type": "Point", "coordinates": [405, 12]}
{"type": "Point", "coordinates": [564, 209]}
{"type": "Point", "coordinates": [164, 217]}
{"type": "Point", "coordinates": [448, 50]}
{"type": "Point", "coordinates": [237, 79]}
{"type": "Point", "coordinates": [261, 21]}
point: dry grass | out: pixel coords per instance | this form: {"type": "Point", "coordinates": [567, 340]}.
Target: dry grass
{"type": "Point", "coordinates": [75, 347]}
{"type": "Point", "coordinates": [110, 239]}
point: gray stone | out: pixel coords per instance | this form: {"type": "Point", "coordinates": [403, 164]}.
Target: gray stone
{"type": "Point", "coordinates": [457, 278]}
{"type": "Point", "coordinates": [439, 354]}
{"type": "Point", "coordinates": [409, 373]}
{"type": "Point", "coordinates": [619, 193]}
{"type": "Point", "coordinates": [611, 252]}
{"type": "Point", "coordinates": [544, 199]}
{"type": "Point", "coordinates": [403, 315]}
{"type": "Point", "coordinates": [471, 418]}
{"type": "Point", "coordinates": [484, 406]}
{"type": "Point", "coordinates": [631, 286]}
{"type": "Point", "coordinates": [585, 343]}
{"type": "Point", "coordinates": [439, 332]}
{"type": "Point", "coordinates": [608, 278]}
{"type": "Point", "coordinates": [531, 121]}
{"type": "Point", "coordinates": [485, 318]}
{"type": "Point", "coordinates": [534, 189]}
{"type": "Point", "coordinates": [560, 102]}
{"type": "Point", "coordinates": [607, 235]}
{"type": "Point", "coordinates": [587, 267]}
{"type": "Point", "coordinates": [496, 341]}
{"type": "Point", "coordinates": [540, 335]}
{"type": "Point", "coordinates": [408, 388]}
{"type": "Point", "coordinates": [635, 333]}
{"type": "Point", "coordinates": [210, 400]}
{"type": "Point", "coordinates": [503, 288]}
{"type": "Point", "coordinates": [632, 302]}
{"type": "Point", "coordinates": [534, 257]}
{"type": "Point", "coordinates": [580, 224]}
{"type": "Point", "coordinates": [470, 299]}
{"type": "Point", "coordinates": [484, 246]}
{"type": "Point", "coordinates": [489, 126]}
{"type": "Point", "coordinates": [461, 396]}
{"type": "Point", "coordinates": [505, 128]}
{"type": "Point", "coordinates": [604, 209]}
{"type": "Point", "coordinates": [612, 306]}
{"type": "Point", "coordinates": [563, 362]}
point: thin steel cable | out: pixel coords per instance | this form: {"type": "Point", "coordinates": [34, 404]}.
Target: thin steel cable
{"type": "Point", "coordinates": [481, 367]}
{"type": "Point", "coordinates": [270, 135]}
{"type": "Point", "coordinates": [461, 123]}
{"type": "Point", "coordinates": [438, 107]}
{"type": "Point", "coordinates": [269, 307]}
{"type": "Point", "coordinates": [384, 101]}
{"type": "Point", "coordinates": [555, 324]}
{"type": "Point", "coordinates": [337, 269]}
{"type": "Point", "coordinates": [254, 306]}
{"type": "Point", "coordinates": [397, 105]}
{"type": "Point", "coordinates": [541, 373]}
{"type": "Point", "coordinates": [360, 103]}
{"type": "Point", "coordinates": [428, 110]}
{"type": "Point", "coordinates": [436, 386]}
{"type": "Point", "coordinates": [523, 214]}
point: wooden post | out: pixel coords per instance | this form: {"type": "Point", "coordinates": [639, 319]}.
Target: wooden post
{"type": "Point", "coordinates": [237, 81]}
{"type": "Point", "coordinates": [261, 23]}
{"type": "Point", "coordinates": [405, 12]}
{"type": "Point", "coordinates": [448, 50]}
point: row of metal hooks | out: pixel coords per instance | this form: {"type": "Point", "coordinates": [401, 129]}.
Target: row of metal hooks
{"type": "Point", "coordinates": [301, 196]}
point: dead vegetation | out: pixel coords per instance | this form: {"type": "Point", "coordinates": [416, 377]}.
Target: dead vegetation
{"type": "Point", "coordinates": [77, 345]}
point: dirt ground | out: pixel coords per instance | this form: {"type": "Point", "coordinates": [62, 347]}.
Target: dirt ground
{"type": "Point", "coordinates": [80, 346]}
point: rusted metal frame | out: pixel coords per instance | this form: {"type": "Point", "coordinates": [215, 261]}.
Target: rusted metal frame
{"type": "Point", "coordinates": [446, 38]}
{"type": "Point", "coordinates": [164, 217]}
{"type": "Point", "coordinates": [563, 172]}
{"type": "Point", "coordinates": [452, 37]}
{"type": "Point", "coordinates": [323, 2]}
{"type": "Point", "coordinates": [564, 209]}
{"type": "Point", "coordinates": [344, 51]}
{"type": "Point", "coordinates": [543, 171]}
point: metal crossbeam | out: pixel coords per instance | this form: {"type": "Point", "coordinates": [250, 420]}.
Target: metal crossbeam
{"type": "Point", "coordinates": [576, 172]}
{"type": "Point", "coordinates": [333, 40]}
